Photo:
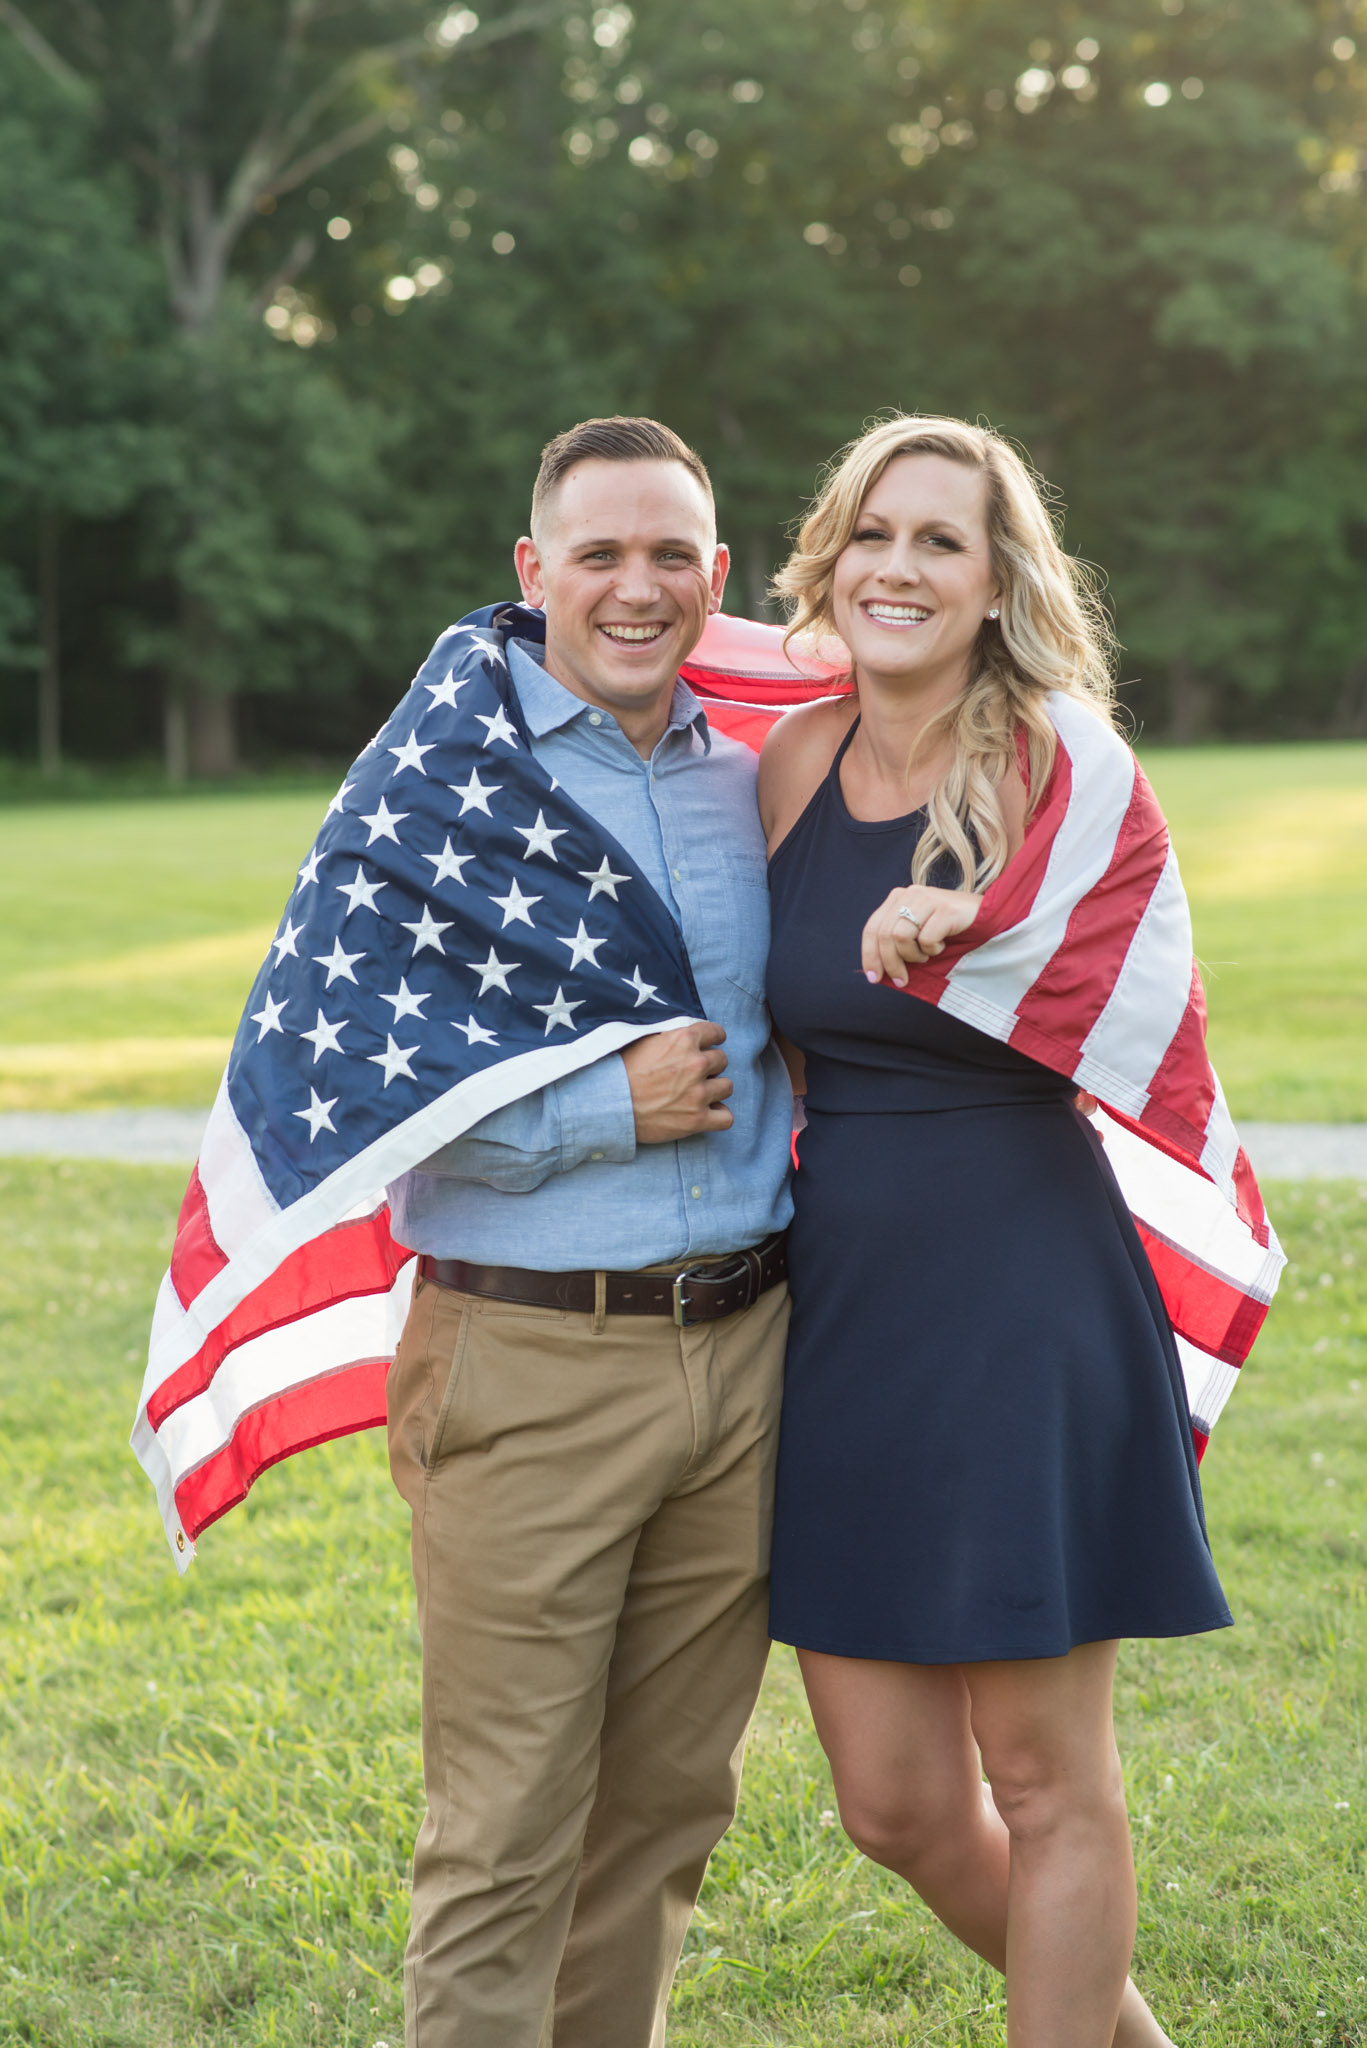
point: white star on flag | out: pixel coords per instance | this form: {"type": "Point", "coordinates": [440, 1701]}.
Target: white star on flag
{"type": "Point", "coordinates": [444, 692]}
{"type": "Point", "coordinates": [309, 871]}
{"type": "Point", "coordinates": [582, 947]}
{"type": "Point", "coordinates": [489, 647]}
{"type": "Point", "coordinates": [360, 894]}
{"type": "Point", "coordinates": [494, 972]}
{"type": "Point", "coordinates": [337, 962]}
{"type": "Point", "coordinates": [409, 755]}
{"type": "Point", "coordinates": [426, 931]}
{"type": "Point", "coordinates": [448, 865]}
{"type": "Point", "coordinates": [540, 837]}
{"type": "Point", "coordinates": [474, 795]}
{"type": "Point", "coordinates": [475, 1034]}
{"type": "Point", "coordinates": [499, 728]}
{"type": "Point", "coordinates": [515, 906]}
{"type": "Point", "coordinates": [382, 822]}
{"type": "Point", "coordinates": [283, 942]}
{"type": "Point", "coordinates": [645, 990]}
{"type": "Point", "coordinates": [394, 1059]}
{"type": "Point", "coordinates": [317, 1116]}
{"type": "Point", "coordinates": [269, 1018]}
{"type": "Point", "coordinates": [324, 1038]}
{"type": "Point", "coordinates": [333, 808]}
{"type": "Point", "coordinates": [558, 1012]}
{"type": "Point", "coordinates": [406, 1004]}
{"type": "Point", "coordinates": [602, 880]}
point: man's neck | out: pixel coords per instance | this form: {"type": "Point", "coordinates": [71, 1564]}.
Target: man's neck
{"type": "Point", "coordinates": [644, 724]}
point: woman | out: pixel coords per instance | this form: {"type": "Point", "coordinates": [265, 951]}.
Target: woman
{"type": "Point", "coordinates": [986, 1472]}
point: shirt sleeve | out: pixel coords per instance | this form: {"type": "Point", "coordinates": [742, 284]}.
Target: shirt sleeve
{"type": "Point", "coordinates": [586, 1118]}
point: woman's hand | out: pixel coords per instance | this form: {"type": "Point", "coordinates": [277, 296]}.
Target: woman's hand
{"type": "Point", "coordinates": [912, 927]}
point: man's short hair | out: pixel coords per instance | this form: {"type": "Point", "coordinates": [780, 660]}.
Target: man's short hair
{"type": "Point", "coordinates": [619, 439]}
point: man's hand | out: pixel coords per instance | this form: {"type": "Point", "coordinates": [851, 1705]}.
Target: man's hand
{"type": "Point", "coordinates": [676, 1085]}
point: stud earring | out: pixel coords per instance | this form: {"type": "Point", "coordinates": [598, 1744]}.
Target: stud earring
{"type": "Point", "coordinates": [995, 612]}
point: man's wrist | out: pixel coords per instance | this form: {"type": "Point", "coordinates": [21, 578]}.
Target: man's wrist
{"type": "Point", "coordinates": [597, 1118]}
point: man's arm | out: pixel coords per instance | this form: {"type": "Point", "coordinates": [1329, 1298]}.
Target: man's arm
{"type": "Point", "coordinates": [661, 1089]}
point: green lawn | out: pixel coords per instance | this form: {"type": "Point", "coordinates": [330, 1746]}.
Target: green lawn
{"type": "Point", "coordinates": [208, 1785]}
{"type": "Point", "coordinates": [130, 932]}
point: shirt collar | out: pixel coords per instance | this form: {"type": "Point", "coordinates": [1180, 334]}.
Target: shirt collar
{"type": "Point", "coordinates": [547, 705]}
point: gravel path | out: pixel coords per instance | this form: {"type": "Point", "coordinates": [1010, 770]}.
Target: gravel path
{"type": "Point", "coordinates": [170, 1137]}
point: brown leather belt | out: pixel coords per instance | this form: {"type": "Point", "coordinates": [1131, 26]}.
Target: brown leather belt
{"type": "Point", "coordinates": [695, 1293]}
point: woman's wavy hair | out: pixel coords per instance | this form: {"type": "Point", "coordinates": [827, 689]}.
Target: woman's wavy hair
{"type": "Point", "coordinates": [1053, 633]}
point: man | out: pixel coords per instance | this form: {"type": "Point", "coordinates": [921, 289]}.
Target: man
{"type": "Point", "coordinates": [583, 1404]}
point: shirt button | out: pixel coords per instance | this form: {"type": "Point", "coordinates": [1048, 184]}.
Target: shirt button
{"type": "Point", "coordinates": [677, 876]}
{"type": "Point", "coordinates": [595, 1155]}
{"type": "Point", "coordinates": [696, 1194]}
{"type": "Point", "coordinates": [595, 718]}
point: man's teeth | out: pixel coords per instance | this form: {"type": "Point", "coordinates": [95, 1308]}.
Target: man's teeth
{"type": "Point", "coordinates": [633, 632]}
{"type": "Point", "coordinates": [899, 614]}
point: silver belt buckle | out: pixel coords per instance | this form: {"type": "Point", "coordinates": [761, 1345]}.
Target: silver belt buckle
{"type": "Point", "coordinates": [681, 1321]}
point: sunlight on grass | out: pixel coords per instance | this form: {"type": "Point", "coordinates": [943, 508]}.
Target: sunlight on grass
{"type": "Point", "coordinates": [177, 1073]}
{"type": "Point", "coordinates": [209, 1785]}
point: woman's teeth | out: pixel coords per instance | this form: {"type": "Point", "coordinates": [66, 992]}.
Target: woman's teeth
{"type": "Point", "coordinates": [898, 614]}
{"type": "Point", "coordinates": [633, 634]}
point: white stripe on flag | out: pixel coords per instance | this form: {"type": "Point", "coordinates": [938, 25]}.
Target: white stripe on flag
{"type": "Point", "coordinates": [1000, 974]}
{"type": "Point", "coordinates": [235, 1193]}
{"type": "Point", "coordinates": [1150, 996]}
{"type": "Point", "coordinates": [1210, 1382]}
{"type": "Point", "coordinates": [1221, 1148]}
{"type": "Point", "coordinates": [1188, 1211]}
{"type": "Point", "coordinates": [344, 1333]}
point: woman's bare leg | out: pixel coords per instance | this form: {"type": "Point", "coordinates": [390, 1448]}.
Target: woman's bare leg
{"type": "Point", "coordinates": [902, 1747]}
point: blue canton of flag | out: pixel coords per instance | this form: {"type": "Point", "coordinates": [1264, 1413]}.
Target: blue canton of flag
{"type": "Point", "coordinates": [459, 915]}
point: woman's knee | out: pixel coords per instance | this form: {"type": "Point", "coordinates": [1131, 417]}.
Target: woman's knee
{"type": "Point", "coordinates": [1037, 1794]}
{"type": "Point", "coordinates": [904, 1833]}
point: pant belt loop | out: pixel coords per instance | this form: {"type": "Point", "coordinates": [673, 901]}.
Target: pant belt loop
{"type": "Point", "coordinates": [600, 1304]}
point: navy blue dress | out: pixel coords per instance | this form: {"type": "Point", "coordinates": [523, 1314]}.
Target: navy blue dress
{"type": "Point", "coordinates": [985, 1449]}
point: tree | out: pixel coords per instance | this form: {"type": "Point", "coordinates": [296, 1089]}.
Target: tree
{"type": "Point", "coordinates": [77, 437]}
{"type": "Point", "coordinates": [227, 114]}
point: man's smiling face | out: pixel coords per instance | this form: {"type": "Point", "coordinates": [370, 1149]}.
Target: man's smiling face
{"type": "Point", "coordinates": [626, 563]}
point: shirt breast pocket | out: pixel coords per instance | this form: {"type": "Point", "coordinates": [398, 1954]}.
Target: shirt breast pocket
{"type": "Point", "coordinates": [742, 885]}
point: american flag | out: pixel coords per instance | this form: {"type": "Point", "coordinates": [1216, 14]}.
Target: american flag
{"type": "Point", "coordinates": [462, 933]}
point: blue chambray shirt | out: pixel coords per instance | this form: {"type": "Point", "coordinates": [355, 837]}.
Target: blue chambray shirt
{"type": "Point", "coordinates": [557, 1180]}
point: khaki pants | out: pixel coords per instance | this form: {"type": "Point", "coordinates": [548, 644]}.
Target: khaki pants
{"type": "Point", "coordinates": [591, 1506]}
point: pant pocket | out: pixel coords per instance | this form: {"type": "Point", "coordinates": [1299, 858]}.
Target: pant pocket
{"type": "Point", "coordinates": [449, 1351]}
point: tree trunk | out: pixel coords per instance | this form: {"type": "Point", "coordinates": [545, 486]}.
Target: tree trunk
{"type": "Point", "coordinates": [175, 738]}
{"type": "Point", "coordinates": [211, 733]}
{"type": "Point", "coordinates": [49, 634]}
{"type": "Point", "coordinates": [1350, 712]}
{"type": "Point", "coordinates": [1191, 704]}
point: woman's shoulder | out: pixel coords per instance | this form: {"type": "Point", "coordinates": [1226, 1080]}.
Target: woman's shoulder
{"type": "Point", "coordinates": [796, 755]}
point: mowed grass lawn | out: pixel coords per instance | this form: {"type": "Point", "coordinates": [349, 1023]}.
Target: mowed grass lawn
{"type": "Point", "coordinates": [209, 1785]}
{"type": "Point", "coordinates": [130, 932]}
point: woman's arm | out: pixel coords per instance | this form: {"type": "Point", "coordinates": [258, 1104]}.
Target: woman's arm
{"type": "Point", "coordinates": [793, 760]}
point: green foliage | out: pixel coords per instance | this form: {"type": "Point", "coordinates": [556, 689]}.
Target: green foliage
{"type": "Point", "coordinates": [209, 1785]}
{"type": "Point", "coordinates": [1131, 236]}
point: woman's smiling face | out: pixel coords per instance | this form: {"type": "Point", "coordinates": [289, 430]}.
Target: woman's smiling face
{"type": "Point", "coordinates": [915, 581]}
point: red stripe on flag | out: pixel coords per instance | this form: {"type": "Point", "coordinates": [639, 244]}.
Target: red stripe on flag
{"type": "Point", "coordinates": [352, 1259]}
{"type": "Point", "coordinates": [197, 1256]}
{"type": "Point", "coordinates": [747, 723]}
{"type": "Point", "coordinates": [1249, 1200]}
{"type": "Point", "coordinates": [1077, 983]}
{"type": "Point", "coordinates": [1182, 1092]}
{"type": "Point", "coordinates": [1009, 900]}
{"type": "Point", "coordinates": [1208, 1311]}
{"type": "Point", "coordinates": [336, 1405]}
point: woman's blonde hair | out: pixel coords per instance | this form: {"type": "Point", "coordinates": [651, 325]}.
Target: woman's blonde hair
{"type": "Point", "coordinates": [1053, 633]}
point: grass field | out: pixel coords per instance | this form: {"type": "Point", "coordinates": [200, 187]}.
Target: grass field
{"type": "Point", "coordinates": [208, 1786]}
{"type": "Point", "coordinates": [130, 932]}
